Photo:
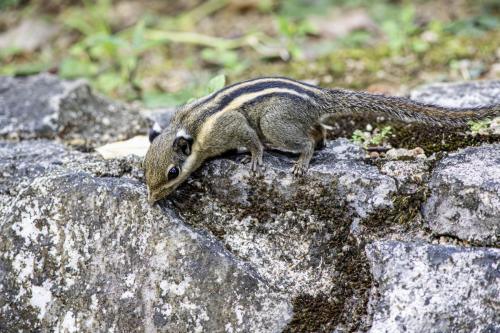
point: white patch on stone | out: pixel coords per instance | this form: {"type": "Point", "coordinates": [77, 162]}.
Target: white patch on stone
{"type": "Point", "coordinates": [71, 251]}
{"type": "Point", "coordinates": [40, 297]}
{"type": "Point", "coordinates": [166, 310]}
{"type": "Point", "coordinates": [94, 305]}
{"type": "Point", "coordinates": [50, 121]}
{"type": "Point", "coordinates": [239, 314]}
{"type": "Point", "coordinates": [23, 263]}
{"type": "Point", "coordinates": [26, 228]}
{"type": "Point", "coordinates": [138, 145]}
{"type": "Point", "coordinates": [127, 294]}
{"type": "Point", "coordinates": [228, 328]}
{"type": "Point", "coordinates": [69, 323]}
{"type": "Point", "coordinates": [173, 288]}
{"type": "Point", "coordinates": [130, 279]}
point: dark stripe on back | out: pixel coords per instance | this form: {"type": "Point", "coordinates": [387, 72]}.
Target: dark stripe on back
{"type": "Point", "coordinates": [274, 94]}
{"type": "Point", "coordinates": [220, 91]}
{"type": "Point", "coordinates": [294, 97]}
{"type": "Point", "coordinates": [274, 84]}
{"type": "Point", "coordinates": [262, 86]}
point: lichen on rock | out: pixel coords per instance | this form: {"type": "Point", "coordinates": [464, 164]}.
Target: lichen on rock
{"type": "Point", "coordinates": [352, 246]}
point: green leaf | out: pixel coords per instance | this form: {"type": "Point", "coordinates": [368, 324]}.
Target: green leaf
{"type": "Point", "coordinates": [108, 82]}
{"type": "Point", "coordinates": [29, 68]}
{"type": "Point", "coordinates": [73, 68]}
{"type": "Point", "coordinates": [216, 83]}
{"type": "Point", "coordinates": [154, 99]}
{"type": "Point", "coordinates": [138, 34]}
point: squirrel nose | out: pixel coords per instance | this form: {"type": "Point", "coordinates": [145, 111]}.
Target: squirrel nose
{"type": "Point", "coordinates": [151, 198]}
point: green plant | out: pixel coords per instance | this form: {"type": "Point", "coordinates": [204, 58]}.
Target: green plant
{"type": "Point", "coordinates": [216, 83]}
{"type": "Point", "coordinates": [292, 32]}
{"type": "Point", "coordinates": [110, 60]}
{"type": "Point", "coordinates": [479, 126]}
{"type": "Point", "coordinates": [399, 28]}
{"type": "Point", "coordinates": [368, 138]}
{"type": "Point", "coordinates": [228, 59]}
{"type": "Point", "coordinates": [154, 99]}
{"type": "Point", "coordinates": [473, 26]}
{"type": "Point", "coordinates": [8, 3]}
{"type": "Point", "coordinates": [360, 137]}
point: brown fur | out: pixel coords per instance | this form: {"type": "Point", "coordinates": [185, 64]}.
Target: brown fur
{"type": "Point", "coordinates": [275, 113]}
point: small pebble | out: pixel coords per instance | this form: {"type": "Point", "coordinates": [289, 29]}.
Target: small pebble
{"type": "Point", "coordinates": [374, 155]}
{"type": "Point", "coordinates": [418, 151]}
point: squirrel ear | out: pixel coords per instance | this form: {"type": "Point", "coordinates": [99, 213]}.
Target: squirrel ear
{"type": "Point", "coordinates": [152, 134]}
{"type": "Point", "coordinates": [183, 144]}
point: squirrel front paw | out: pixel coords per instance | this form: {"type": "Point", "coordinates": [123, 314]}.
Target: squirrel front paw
{"type": "Point", "coordinates": [257, 168]}
{"type": "Point", "coordinates": [299, 170]}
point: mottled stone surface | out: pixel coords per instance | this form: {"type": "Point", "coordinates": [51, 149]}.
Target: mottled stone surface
{"type": "Point", "coordinates": [434, 288]}
{"type": "Point", "coordinates": [81, 250]}
{"type": "Point", "coordinates": [465, 195]}
{"type": "Point", "coordinates": [346, 248]}
{"type": "Point", "coordinates": [44, 106]}
{"type": "Point", "coordinates": [161, 116]}
{"type": "Point", "coordinates": [462, 94]}
{"type": "Point", "coordinates": [298, 234]}
{"type": "Point", "coordinates": [276, 222]}
{"type": "Point", "coordinates": [409, 175]}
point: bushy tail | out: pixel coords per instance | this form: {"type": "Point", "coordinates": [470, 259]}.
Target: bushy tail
{"type": "Point", "coordinates": [345, 101]}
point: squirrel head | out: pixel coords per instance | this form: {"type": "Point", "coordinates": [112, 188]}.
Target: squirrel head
{"type": "Point", "coordinates": [168, 162]}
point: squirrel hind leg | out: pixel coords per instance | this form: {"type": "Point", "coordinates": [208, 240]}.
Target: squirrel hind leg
{"type": "Point", "coordinates": [318, 132]}
{"type": "Point", "coordinates": [300, 167]}
{"type": "Point", "coordinates": [250, 140]}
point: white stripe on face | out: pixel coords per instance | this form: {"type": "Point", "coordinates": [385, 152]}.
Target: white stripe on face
{"type": "Point", "coordinates": [182, 134]}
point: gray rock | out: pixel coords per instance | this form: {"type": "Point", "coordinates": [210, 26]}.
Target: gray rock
{"type": "Point", "coordinates": [44, 106]}
{"type": "Point", "coordinates": [297, 234]}
{"type": "Point", "coordinates": [463, 94]}
{"type": "Point", "coordinates": [161, 116]}
{"type": "Point", "coordinates": [465, 195]}
{"type": "Point", "coordinates": [433, 288]}
{"type": "Point", "coordinates": [409, 175]}
{"type": "Point", "coordinates": [81, 250]}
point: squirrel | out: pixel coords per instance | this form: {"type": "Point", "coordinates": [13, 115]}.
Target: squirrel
{"type": "Point", "coordinates": [271, 112]}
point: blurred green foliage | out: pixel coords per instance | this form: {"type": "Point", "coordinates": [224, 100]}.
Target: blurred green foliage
{"type": "Point", "coordinates": [8, 3]}
{"type": "Point", "coordinates": [132, 61]}
{"type": "Point", "coordinates": [155, 99]}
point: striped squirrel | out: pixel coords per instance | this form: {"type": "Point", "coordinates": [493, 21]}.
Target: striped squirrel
{"type": "Point", "coordinates": [272, 112]}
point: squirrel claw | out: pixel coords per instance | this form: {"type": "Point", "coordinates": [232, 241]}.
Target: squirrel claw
{"type": "Point", "coordinates": [245, 159]}
{"type": "Point", "coordinates": [298, 170]}
{"type": "Point", "coordinates": [257, 169]}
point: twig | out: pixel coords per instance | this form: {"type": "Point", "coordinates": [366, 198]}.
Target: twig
{"type": "Point", "coordinates": [260, 42]}
{"type": "Point", "coordinates": [378, 149]}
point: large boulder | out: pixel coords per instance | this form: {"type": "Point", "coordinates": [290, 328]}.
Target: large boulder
{"type": "Point", "coordinates": [44, 106]}
{"type": "Point", "coordinates": [434, 288]}
{"type": "Point", "coordinates": [346, 248]}
{"type": "Point", "coordinates": [462, 94]}
{"type": "Point", "coordinates": [81, 250]}
{"type": "Point", "coordinates": [465, 195]}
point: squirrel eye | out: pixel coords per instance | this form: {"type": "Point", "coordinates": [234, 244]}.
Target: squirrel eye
{"type": "Point", "coordinates": [173, 173]}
